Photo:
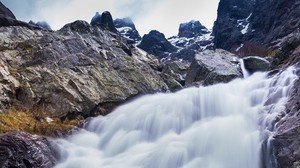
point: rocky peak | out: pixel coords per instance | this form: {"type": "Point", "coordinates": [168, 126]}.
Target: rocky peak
{"type": "Point", "coordinates": [41, 24]}
{"type": "Point", "coordinates": [127, 29]}
{"type": "Point", "coordinates": [5, 12]}
{"type": "Point", "coordinates": [105, 21]}
{"type": "Point", "coordinates": [156, 43]}
{"type": "Point", "coordinates": [192, 29]}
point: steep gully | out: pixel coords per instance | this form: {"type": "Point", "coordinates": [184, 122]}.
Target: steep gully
{"type": "Point", "coordinates": [219, 126]}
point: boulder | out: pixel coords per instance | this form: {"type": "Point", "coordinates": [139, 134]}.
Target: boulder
{"type": "Point", "coordinates": [155, 43]}
{"type": "Point", "coordinates": [255, 64]}
{"type": "Point", "coordinates": [23, 150]}
{"type": "Point", "coordinates": [78, 70]}
{"type": "Point", "coordinates": [176, 69]}
{"type": "Point", "coordinates": [211, 67]}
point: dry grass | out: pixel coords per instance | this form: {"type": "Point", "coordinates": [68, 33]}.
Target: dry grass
{"type": "Point", "coordinates": [14, 120]}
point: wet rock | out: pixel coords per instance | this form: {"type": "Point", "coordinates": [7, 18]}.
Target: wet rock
{"type": "Point", "coordinates": [255, 64]}
{"type": "Point", "coordinates": [211, 67]}
{"type": "Point", "coordinates": [23, 150]}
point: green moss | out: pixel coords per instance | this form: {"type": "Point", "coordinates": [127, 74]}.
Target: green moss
{"type": "Point", "coordinates": [30, 122]}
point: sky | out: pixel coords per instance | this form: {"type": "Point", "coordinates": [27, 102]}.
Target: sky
{"type": "Point", "coordinates": [162, 15]}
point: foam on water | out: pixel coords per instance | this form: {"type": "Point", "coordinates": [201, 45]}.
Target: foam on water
{"type": "Point", "coordinates": [220, 126]}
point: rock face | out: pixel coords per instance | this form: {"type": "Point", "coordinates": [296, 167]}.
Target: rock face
{"type": "Point", "coordinates": [255, 64]}
{"type": "Point", "coordinates": [192, 37]}
{"type": "Point", "coordinates": [242, 21]}
{"type": "Point", "coordinates": [24, 150]}
{"type": "Point", "coordinates": [232, 22]}
{"type": "Point", "coordinates": [155, 43]}
{"type": "Point", "coordinates": [286, 140]}
{"type": "Point", "coordinates": [127, 29]}
{"type": "Point", "coordinates": [105, 21]}
{"type": "Point", "coordinates": [79, 70]}
{"type": "Point", "coordinates": [211, 67]}
{"type": "Point", "coordinates": [5, 12]}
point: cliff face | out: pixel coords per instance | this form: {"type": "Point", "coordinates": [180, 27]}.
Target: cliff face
{"type": "Point", "coordinates": [254, 22]}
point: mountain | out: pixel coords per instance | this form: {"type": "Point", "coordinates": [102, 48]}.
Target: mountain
{"type": "Point", "coordinates": [127, 29]}
{"type": "Point", "coordinates": [105, 21]}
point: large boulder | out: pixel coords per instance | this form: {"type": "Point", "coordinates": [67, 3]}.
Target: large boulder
{"type": "Point", "coordinates": [78, 70]}
{"type": "Point", "coordinates": [155, 43]}
{"type": "Point", "coordinates": [127, 29]}
{"type": "Point", "coordinates": [255, 64]}
{"type": "Point", "coordinates": [211, 67]}
{"type": "Point", "coordinates": [177, 69]}
{"type": "Point", "coordinates": [23, 150]}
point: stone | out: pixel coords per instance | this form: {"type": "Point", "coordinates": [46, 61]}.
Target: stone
{"type": "Point", "coordinates": [255, 64]}
{"type": "Point", "coordinates": [19, 149]}
{"type": "Point", "coordinates": [212, 67]}
{"type": "Point", "coordinates": [77, 70]}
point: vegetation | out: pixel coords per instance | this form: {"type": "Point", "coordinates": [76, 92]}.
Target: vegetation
{"type": "Point", "coordinates": [255, 50]}
{"type": "Point", "coordinates": [14, 120]}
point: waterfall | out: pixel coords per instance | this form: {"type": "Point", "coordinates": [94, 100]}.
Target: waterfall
{"type": "Point", "coordinates": [244, 70]}
{"type": "Point", "coordinates": [219, 126]}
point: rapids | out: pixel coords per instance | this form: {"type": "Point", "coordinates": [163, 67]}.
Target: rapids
{"type": "Point", "coordinates": [219, 126]}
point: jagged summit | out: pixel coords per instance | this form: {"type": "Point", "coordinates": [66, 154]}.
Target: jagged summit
{"type": "Point", "coordinates": [105, 21]}
{"type": "Point", "coordinates": [156, 43]}
{"type": "Point", "coordinates": [127, 29]}
{"type": "Point", "coordinates": [192, 29]}
{"type": "Point", "coordinates": [41, 24]}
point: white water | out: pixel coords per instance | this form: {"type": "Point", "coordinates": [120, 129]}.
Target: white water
{"type": "Point", "coordinates": [208, 127]}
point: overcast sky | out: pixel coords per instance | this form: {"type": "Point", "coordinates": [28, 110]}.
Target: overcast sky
{"type": "Point", "coordinates": [162, 15]}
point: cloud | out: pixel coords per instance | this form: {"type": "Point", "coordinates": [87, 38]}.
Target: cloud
{"type": "Point", "coordinates": [163, 15]}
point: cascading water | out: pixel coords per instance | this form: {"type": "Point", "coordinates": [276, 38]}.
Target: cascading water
{"type": "Point", "coordinates": [219, 126]}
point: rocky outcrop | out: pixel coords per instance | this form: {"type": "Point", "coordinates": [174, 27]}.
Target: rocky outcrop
{"type": "Point", "coordinates": [155, 43]}
{"type": "Point", "coordinates": [23, 150]}
{"type": "Point", "coordinates": [127, 29]}
{"type": "Point", "coordinates": [251, 22]}
{"type": "Point", "coordinates": [105, 21]}
{"type": "Point", "coordinates": [192, 29]}
{"type": "Point", "coordinates": [255, 64]}
{"type": "Point", "coordinates": [78, 70]}
{"type": "Point", "coordinates": [5, 12]}
{"type": "Point", "coordinates": [177, 69]}
{"type": "Point", "coordinates": [286, 140]}
{"type": "Point", "coordinates": [232, 22]}
{"type": "Point", "coordinates": [211, 67]}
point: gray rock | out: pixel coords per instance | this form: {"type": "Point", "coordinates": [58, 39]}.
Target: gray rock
{"type": "Point", "coordinates": [23, 150]}
{"type": "Point", "coordinates": [79, 70]}
{"type": "Point", "coordinates": [255, 64]}
{"type": "Point", "coordinates": [211, 67]}
{"type": "Point", "coordinates": [177, 69]}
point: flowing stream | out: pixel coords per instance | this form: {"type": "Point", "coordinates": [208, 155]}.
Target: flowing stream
{"type": "Point", "coordinates": [220, 126]}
